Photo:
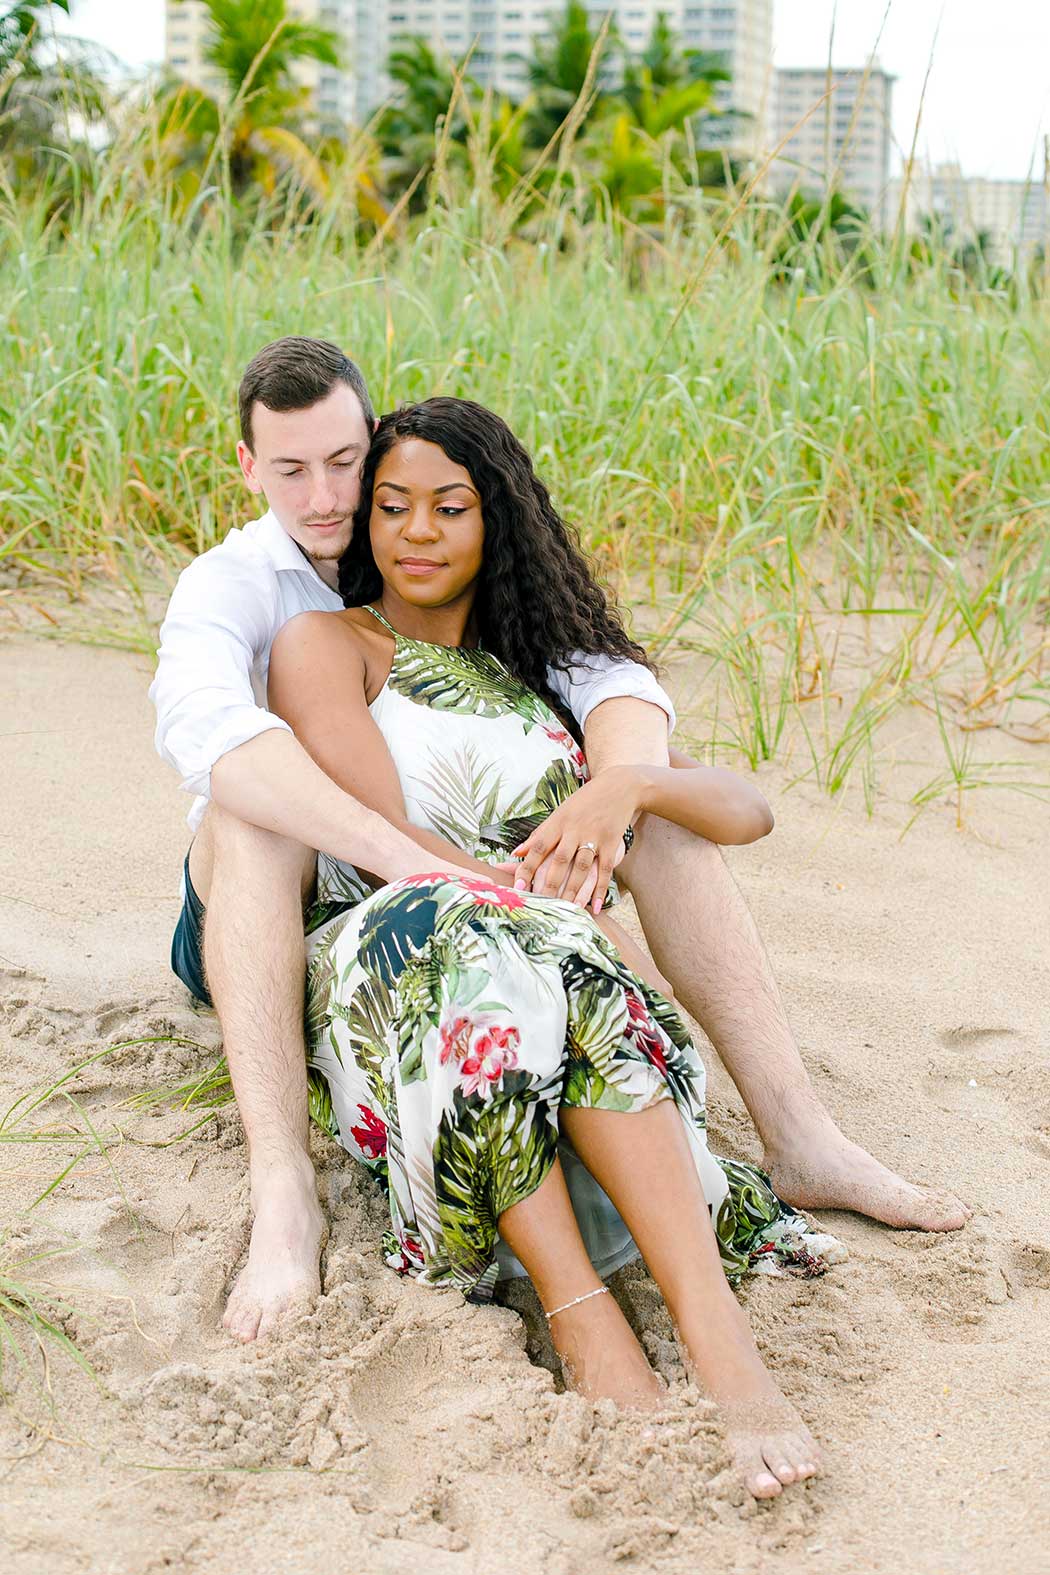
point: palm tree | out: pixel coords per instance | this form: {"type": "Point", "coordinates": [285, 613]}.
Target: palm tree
{"type": "Point", "coordinates": [665, 86]}
{"type": "Point", "coordinates": [650, 132]}
{"type": "Point", "coordinates": [254, 46]}
{"type": "Point", "coordinates": [559, 66]}
{"type": "Point", "coordinates": [411, 128]}
{"type": "Point", "coordinates": [46, 83]}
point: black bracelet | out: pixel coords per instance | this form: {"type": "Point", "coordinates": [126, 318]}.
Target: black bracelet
{"type": "Point", "coordinates": [628, 839]}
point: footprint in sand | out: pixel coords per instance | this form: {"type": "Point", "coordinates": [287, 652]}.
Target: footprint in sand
{"type": "Point", "coordinates": [955, 1284]}
{"type": "Point", "coordinates": [995, 1061]}
{"type": "Point", "coordinates": [1028, 1267]}
{"type": "Point", "coordinates": [963, 1038]}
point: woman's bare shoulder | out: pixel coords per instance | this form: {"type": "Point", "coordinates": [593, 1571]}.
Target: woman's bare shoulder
{"type": "Point", "coordinates": [318, 635]}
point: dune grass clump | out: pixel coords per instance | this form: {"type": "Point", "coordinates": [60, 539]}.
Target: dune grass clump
{"type": "Point", "coordinates": [34, 1331]}
{"type": "Point", "coordinates": [819, 472]}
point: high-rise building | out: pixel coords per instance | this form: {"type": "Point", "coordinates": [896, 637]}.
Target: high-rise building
{"type": "Point", "coordinates": [742, 34]}
{"type": "Point", "coordinates": [1011, 218]}
{"type": "Point", "coordinates": [499, 35]}
{"type": "Point", "coordinates": [839, 131]}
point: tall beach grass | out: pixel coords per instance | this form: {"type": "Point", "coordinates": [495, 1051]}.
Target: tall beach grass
{"type": "Point", "coordinates": [819, 476]}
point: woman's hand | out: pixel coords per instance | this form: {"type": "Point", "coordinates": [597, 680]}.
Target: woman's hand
{"type": "Point", "coordinates": [575, 851]}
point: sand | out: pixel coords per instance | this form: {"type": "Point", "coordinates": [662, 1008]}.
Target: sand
{"type": "Point", "coordinates": [397, 1429]}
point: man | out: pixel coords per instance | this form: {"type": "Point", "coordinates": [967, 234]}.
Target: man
{"type": "Point", "coordinates": [263, 807]}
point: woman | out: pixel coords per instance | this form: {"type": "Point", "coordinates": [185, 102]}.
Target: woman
{"type": "Point", "coordinates": [464, 1029]}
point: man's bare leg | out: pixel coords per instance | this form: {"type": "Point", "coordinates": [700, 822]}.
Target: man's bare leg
{"type": "Point", "coordinates": [643, 1160]}
{"type": "Point", "coordinates": [704, 939]}
{"type": "Point", "coordinates": [252, 884]}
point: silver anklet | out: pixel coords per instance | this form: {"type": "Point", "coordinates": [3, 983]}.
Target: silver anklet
{"type": "Point", "coordinates": [603, 1290]}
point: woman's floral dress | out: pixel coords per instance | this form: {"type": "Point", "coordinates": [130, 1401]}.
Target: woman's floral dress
{"type": "Point", "coordinates": [450, 1018]}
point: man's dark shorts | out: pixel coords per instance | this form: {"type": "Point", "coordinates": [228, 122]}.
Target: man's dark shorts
{"type": "Point", "coordinates": [187, 944]}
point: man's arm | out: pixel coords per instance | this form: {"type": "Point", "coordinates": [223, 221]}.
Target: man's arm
{"type": "Point", "coordinates": [271, 781]}
{"type": "Point", "coordinates": [588, 683]}
{"type": "Point", "coordinates": [222, 615]}
{"type": "Point", "coordinates": [624, 731]}
{"type": "Point", "coordinates": [224, 745]}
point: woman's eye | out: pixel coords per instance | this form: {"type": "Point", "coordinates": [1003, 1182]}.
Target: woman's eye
{"type": "Point", "coordinates": [451, 508]}
{"type": "Point", "coordinates": [390, 508]}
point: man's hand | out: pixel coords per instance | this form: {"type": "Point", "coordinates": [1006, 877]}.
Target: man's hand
{"type": "Point", "coordinates": [575, 851]}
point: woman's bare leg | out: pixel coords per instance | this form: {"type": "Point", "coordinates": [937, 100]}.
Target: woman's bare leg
{"type": "Point", "coordinates": [599, 1354]}
{"type": "Point", "coordinates": [643, 1160]}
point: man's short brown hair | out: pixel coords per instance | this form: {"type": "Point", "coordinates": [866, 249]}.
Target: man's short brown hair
{"type": "Point", "coordinates": [293, 374]}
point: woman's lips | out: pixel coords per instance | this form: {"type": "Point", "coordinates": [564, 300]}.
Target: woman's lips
{"type": "Point", "coordinates": [419, 566]}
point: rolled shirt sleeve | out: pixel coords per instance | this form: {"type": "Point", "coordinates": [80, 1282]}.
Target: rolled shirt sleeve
{"type": "Point", "coordinates": [217, 631]}
{"type": "Point", "coordinates": [588, 680]}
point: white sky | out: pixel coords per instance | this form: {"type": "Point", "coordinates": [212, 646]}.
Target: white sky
{"type": "Point", "coordinates": [988, 101]}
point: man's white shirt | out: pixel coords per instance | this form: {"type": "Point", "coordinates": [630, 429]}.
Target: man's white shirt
{"type": "Point", "coordinates": [227, 609]}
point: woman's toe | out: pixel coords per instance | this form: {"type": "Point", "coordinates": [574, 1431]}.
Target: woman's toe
{"type": "Point", "coordinates": [778, 1461]}
{"type": "Point", "coordinates": [804, 1455]}
{"type": "Point", "coordinates": [758, 1479]}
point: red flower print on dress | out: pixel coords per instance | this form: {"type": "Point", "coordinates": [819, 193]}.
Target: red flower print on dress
{"type": "Point", "coordinates": [409, 1255]}
{"type": "Point", "coordinates": [494, 1052]}
{"type": "Point", "coordinates": [565, 740]}
{"type": "Point", "coordinates": [490, 891]}
{"type": "Point", "coordinates": [455, 1039]}
{"type": "Point", "coordinates": [642, 1032]}
{"type": "Point", "coordinates": [371, 1137]}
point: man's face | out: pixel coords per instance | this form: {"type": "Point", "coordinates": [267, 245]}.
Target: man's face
{"type": "Point", "coordinates": [307, 464]}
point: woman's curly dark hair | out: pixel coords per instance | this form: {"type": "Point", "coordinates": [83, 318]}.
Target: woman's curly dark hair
{"type": "Point", "coordinates": [537, 602]}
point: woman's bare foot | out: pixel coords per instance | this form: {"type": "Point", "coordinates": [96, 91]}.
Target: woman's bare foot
{"type": "Point", "coordinates": [600, 1357]}
{"type": "Point", "coordinates": [282, 1268]}
{"type": "Point", "coordinates": [816, 1167]}
{"type": "Point", "coordinates": [769, 1443]}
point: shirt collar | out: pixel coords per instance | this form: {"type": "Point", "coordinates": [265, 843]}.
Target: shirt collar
{"type": "Point", "coordinates": [282, 551]}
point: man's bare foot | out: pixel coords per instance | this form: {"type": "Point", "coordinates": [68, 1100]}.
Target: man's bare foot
{"type": "Point", "coordinates": [769, 1443]}
{"type": "Point", "coordinates": [818, 1168]}
{"type": "Point", "coordinates": [600, 1357]}
{"type": "Point", "coordinates": [282, 1268]}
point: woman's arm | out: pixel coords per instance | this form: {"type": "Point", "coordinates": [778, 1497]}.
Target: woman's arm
{"type": "Point", "coordinates": [715, 803]}
{"type": "Point", "coordinates": [317, 685]}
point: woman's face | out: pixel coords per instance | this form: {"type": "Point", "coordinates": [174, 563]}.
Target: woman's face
{"type": "Point", "coordinates": [426, 528]}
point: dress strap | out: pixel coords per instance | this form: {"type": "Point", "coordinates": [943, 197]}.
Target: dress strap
{"type": "Point", "coordinates": [378, 615]}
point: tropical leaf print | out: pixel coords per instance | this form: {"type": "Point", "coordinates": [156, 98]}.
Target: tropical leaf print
{"type": "Point", "coordinates": [557, 784]}
{"type": "Point", "coordinates": [419, 1010]}
{"type": "Point", "coordinates": [319, 1102]}
{"type": "Point", "coordinates": [448, 678]}
{"type": "Point", "coordinates": [597, 1019]}
{"type": "Point", "coordinates": [586, 1089]}
{"type": "Point", "coordinates": [368, 1014]}
{"type": "Point", "coordinates": [463, 790]}
{"type": "Point", "coordinates": [455, 1017]}
{"type": "Point", "coordinates": [398, 924]}
{"type": "Point", "coordinates": [320, 976]}
{"type": "Point", "coordinates": [488, 1156]}
{"type": "Point", "coordinates": [339, 886]}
